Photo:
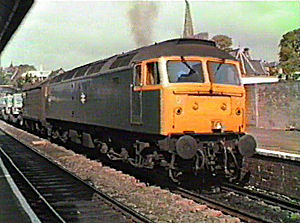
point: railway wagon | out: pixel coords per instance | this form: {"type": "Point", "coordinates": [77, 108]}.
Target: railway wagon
{"type": "Point", "coordinates": [11, 107]}
{"type": "Point", "coordinates": [11, 103]}
{"type": "Point", "coordinates": [178, 104]}
{"type": "Point", "coordinates": [6, 112]}
{"type": "Point", "coordinates": [17, 108]}
{"type": "Point", "coordinates": [34, 108]}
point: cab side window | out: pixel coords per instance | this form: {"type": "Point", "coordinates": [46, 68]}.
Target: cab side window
{"type": "Point", "coordinates": [152, 76]}
{"type": "Point", "coordinates": [138, 75]}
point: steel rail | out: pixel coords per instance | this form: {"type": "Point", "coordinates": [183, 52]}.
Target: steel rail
{"type": "Point", "coordinates": [59, 218]}
{"type": "Point", "coordinates": [125, 210]}
{"type": "Point", "coordinates": [266, 198]}
{"type": "Point", "coordinates": [244, 216]}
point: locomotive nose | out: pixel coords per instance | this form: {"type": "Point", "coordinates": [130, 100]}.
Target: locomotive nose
{"type": "Point", "coordinates": [247, 145]}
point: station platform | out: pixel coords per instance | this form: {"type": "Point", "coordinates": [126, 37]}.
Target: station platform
{"type": "Point", "coordinates": [13, 206]}
{"type": "Point", "coordinates": [277, 143]}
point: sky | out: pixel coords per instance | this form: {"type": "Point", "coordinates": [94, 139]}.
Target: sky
{"type": "Point", "coordinates": [66, 34]}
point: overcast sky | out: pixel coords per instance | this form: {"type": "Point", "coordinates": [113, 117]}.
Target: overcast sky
{"type": "Point", "coordinates": [71, 33]}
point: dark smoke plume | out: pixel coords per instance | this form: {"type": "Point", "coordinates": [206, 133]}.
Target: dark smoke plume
{"type": "Point", "coordinates": [141, 17]}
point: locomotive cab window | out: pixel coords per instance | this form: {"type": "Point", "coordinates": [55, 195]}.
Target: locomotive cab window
{"type": "Point", "coordinates": [222, 73]}
{"type": "Point", "coordinates": [152, 76]}
{"type": "Point", "coordinates": [185, 71]}
{"type": "Point", "coordinates": [138, 81]}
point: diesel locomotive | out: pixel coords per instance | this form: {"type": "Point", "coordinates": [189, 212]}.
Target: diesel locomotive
{"type": "Point", "coordinates": [177, 104]}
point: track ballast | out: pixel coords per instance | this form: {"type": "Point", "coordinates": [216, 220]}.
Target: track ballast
{"type": "Point", "coordinates": [54, 194]}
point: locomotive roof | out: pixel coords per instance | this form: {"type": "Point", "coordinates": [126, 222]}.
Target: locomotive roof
{"type": "Point", "coordinates": [181, 47]}
{"type": "Point", "coordinates": [173, 47]}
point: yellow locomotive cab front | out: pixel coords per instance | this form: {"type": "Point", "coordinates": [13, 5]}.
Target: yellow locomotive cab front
{"type": "Point", "coordinates": [202, 96]}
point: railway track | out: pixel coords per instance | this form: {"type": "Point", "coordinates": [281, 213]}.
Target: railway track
{"type": "Point", "coordinates": [231, 199]}
{"type": "Point", "coordinates": [56, 195]}
{"type": "Point", "coordinates": [226, 208]}
{"type": "Point", "coordinates": [272, 200]}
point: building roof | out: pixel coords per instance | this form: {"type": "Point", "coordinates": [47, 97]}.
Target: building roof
{"type": "Point", "coordinates": [248, 65]}
{"type": "Point", "coordinates": [12, 13]}
{"type": "Point", "coordinates": [258, 66]}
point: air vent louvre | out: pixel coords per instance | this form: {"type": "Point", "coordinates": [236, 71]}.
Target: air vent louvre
{"type": "Point", "coordinates": [96, 68]}
{"type": "Point", "coordinates": [122, 61]}
{"type": "Point", "coordinates": [196, 41]}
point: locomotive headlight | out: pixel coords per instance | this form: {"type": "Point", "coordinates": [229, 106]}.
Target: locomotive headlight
{"type": "Point", "coordinates": [217, 125]}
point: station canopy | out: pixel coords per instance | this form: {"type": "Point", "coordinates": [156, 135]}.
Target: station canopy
{"type": "Point", "coordinates": [12, 12]}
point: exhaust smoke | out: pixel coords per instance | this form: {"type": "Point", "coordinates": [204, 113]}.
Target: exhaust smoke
{"type": "Point", "coordinates": [141, 17]}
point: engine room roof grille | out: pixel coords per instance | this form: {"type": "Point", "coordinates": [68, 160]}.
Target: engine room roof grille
{"type": "Point", "coordinates": [59, 77]}
{"type": "Point", "coordinates": [68, 75]}
{"type": "Point", "coordinates": [81, 71]}
{"type": "Point", "coordinates": [96, 68]}
{"type": "Point", "coordinates": [196, 41]}
{"type": "Point", "coordinates": [122, 60]}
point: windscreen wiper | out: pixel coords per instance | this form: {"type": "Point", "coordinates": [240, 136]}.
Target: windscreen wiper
{"type": "Point", "coordinates": [192, 71]}
{"type": "Point", "coordinates": [218, 68]}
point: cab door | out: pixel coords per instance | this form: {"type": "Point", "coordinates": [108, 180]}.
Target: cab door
{"type": "Point", "coordinates": [136, 95]}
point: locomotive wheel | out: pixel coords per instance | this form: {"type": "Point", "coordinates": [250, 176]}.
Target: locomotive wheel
{"type": "Point", "coordinates": [63, 136]}
{"type": "Point", "coordinates": [174, 173]}
{"type": "Point", "coordinates": [233, 168]}
{"type": "Point", "coordinates": [199, 161]}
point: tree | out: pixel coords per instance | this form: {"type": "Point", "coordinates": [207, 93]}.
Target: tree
{"type": "Point", "coordinates": [28, 79]}
{"type": "Point", "coordinates": [223, 42]}
{"type": "Point", "coordinates": [289, 55]}
{"type": "Point", "coordinates": [20, 81]}
{"type": "Point", "coordinates": [3, 79]}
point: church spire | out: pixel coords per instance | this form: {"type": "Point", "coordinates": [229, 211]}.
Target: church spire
{"type": "Point", "coordinates": [188, 23]}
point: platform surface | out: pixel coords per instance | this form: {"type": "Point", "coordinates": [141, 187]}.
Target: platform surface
{"type": "Point", "coordinates": [277, 141]}
{"type": "Point", "coordinates": [11, 209]}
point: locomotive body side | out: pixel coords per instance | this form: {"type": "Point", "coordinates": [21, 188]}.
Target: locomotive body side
{"type": "Point", "coordinates": [103, 101]}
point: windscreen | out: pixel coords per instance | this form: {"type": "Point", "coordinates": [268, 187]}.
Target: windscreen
{"type": "Point", "coordinates": [185, 71]}
{"type": "Point", "coordinates": [224, 73]}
